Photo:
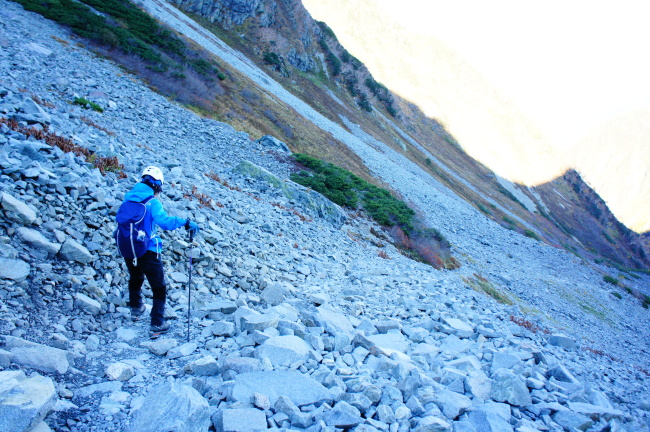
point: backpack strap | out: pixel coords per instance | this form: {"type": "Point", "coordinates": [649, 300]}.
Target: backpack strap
{"type": "Point", "coordinates": [144, 202]}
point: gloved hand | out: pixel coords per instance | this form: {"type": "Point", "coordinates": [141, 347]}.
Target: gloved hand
{"type": "Point", "coordinates": [192, 227]}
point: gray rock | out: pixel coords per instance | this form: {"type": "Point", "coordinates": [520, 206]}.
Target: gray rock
{"type": "Point", "coordinates": [240, 420]}
{"type": "Point", "coordinates": [17, 210]}
{"type": "Point", "coordinates": [182, 351]}
{"type": "Point", "coordinates": [120, 371]}
{"type": "Point", "coordinates": [272, 143]}
{"type": "Point", "coordinates": [242, 364]}
{"type": "Point", "coordinates": [274, 294]}
{"type": "Point", "coordinates": [508, 387]}
{"type": "Point", "coordinates": [171, 406]}
{"type": "Point", "coordinates": [560, 373]}
{"type": "Point", "coordinates": [562, 341]}
{"type": "Point", "coordinates": [458, 327]}
{"type": "Point", "coordinates": [491, 417]}
{"type": "Point", "coordinates": [83, 302]}
{"type": "Point", "coordinates": [14, 269]}
{"type": "Point", "coordinates": [36, 240]}
{"type": "Point", "coordinates": [503, 360]}
{"type": "Point", "coordinates": [73, 251]}
{"type": "Point", "coordinates": [595, 412]}
{"type": "Point", "coordinates": [432, 424]}
{"type": "Point", "coordinates": [285, 350]}
{"type": "Point", "coordinates": [162, 346]}
{"type": "Point", "coordinates": [299, 388]}
{"type": "Point", "coordinates": [5, 358]}
{"type": "Point", "coordinates": [24, 401]}
{"type": "Point", "coordinates": [223, 328]}
{"type": "Point", "coordinates": [572, 421]}
{"type": "Point", "coordinates": [452, 404]}
{"type": "Point", "coordinates": [478, 384]}
{"type": "Point", "coordinates": [37, 356]}
{"type": "Point", "coordinates": [343, 415]}
{"type": "Point", "coordinates": [389, 343]}
{"type": "Point", "coordinates": [204, 366]}
{"type": "Point", "coordinates": [334, 322]}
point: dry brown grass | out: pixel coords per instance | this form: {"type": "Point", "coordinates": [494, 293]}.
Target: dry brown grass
{"type": "Point", "coordinates": [91, 123]}
{"type": "Point", "coordinates": [528, 325]}
{"type": "Point", "coordinates": [104, 164]}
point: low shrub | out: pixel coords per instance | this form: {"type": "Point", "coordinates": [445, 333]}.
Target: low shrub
{"type": "Point", "coordinates": [532, 234]}
{"type": "Point", "coordinates": [610, 280]}
{"type": "Point", "coordinates": [85, 103]}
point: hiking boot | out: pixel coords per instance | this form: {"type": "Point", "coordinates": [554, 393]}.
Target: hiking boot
{"type": "Point", "coordinates": [157, 330]}
{"type": "Point", "coordinates": [136, 313]}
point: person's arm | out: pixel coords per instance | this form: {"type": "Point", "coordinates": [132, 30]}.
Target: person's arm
{"type": "Point", "coordinates": [162, 219]}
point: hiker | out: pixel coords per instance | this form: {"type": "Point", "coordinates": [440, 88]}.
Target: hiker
{"type": "Point", "coordinates": [141, 247]}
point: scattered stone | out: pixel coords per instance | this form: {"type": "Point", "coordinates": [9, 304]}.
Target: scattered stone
{"type": "Point", "coordinates": [120, 371]}
{"type": "Point", "coordinates": [241, 420]}
{"type": "Point", "coordinates": [14, 269]}
{"type": "Point", "coordinates": [508, 387]}
{"type": "Point", "coordinates": [299, 388]}
{"type": "Point", "coordinates": [162, 346]}
{"type": "Point", "coordinates": [17, 210]}
{"type": "Point", "coordinates": [24, 401]}
{"type": "Point", "coordinates": [171, 406]}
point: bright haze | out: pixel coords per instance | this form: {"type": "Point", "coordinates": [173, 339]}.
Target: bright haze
{"type": "Point", "coordinates": [530, 89]}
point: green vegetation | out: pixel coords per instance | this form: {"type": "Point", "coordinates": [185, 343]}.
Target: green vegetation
{"type": "Point", "coordinates": [646, 302]}
{"type": "Point", "coordinates": [120, 25]}
{"type": "Point", "coordinates": [617, 295]}
{"type": "Point", "coordinates": [382, 94]}
{"type": "Point", "coordinates": [509, 194]}
{"type": "Point", "coordinates": [512, 225]}
{"type": "Point", "coordinates": [87, 104]}
{"type": "Point", "coordinates": [484, 209]}
{"type": "Point", "coordinates": [610, 280]}
{"type": "Point", "coordinates": [480, 284]}
{"type": "Point", "coordinates": [532, 234]}
{"type": "Point", "coordinates": [273, 59]}
{"type": "Point", "coordinates": [348, 190]}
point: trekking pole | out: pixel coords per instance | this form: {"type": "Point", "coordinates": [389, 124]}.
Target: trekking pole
{"type": "Point", "coordinates": [189, 290]}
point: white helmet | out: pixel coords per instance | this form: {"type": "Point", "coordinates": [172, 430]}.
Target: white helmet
{"type": "Point", "coordinates": [154, 172]}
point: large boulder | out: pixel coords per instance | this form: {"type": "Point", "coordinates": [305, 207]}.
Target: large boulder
{"type": "Point", "coordinates": [36, 240]}
{"type": "Point", "coordinates": [240, 420]}
{"type": "Point", "coordinates": [508, 387]}
{"type": "Point", "coordinates": [272, 143]}
{"type": "Point", "coordinates": [170, 406]}
{"type": "Point", "coordinates": [17, 210]}
{"type": "Point", "coordinates": [37, 356]}
{"type": "Point", "coordinates": [491, 417]}
{"type": "Point", "coordinates": [299, 388]}
{"type": "Point", "coordinates": [14, 269]}
{"type": "Point", "coordinates": [73, 251]}
{"type": "Point", "coordinates": [24, 401]}
{"type": "Point", "coordinates": [310, 202]}
{"type": "Point", "coordinates": [285, 350]}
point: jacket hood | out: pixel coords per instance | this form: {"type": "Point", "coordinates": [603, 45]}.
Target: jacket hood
{"type": "Point", "coordinates": [139, 192]}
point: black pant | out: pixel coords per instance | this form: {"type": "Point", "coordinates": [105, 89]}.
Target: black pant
{"type": "Point", "coordinates": [148, 265]}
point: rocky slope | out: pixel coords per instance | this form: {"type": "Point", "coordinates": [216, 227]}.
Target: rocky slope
{"type": "Point", "coordinates": [297, 321]}
{"type": "Point", "coordinates": [306, 48]}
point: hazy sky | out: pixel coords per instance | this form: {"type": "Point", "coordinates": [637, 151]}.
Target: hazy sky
{"type": "Point", "coordinates": [528, 88]}
{"type": "Point", "coordinates": [570, 64]}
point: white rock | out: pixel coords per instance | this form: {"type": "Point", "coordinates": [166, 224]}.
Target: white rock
{"type": "Point", "coordinates": [24, 402]}
{"type": "Point", "coordinates": [120, 371]}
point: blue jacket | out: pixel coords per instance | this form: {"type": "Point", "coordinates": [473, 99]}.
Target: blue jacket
{"type": "Point", "coordinates": [156, 215]}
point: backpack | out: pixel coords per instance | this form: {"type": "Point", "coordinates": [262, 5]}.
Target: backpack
{"type": "Point", "coordinates": [131, 237]}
